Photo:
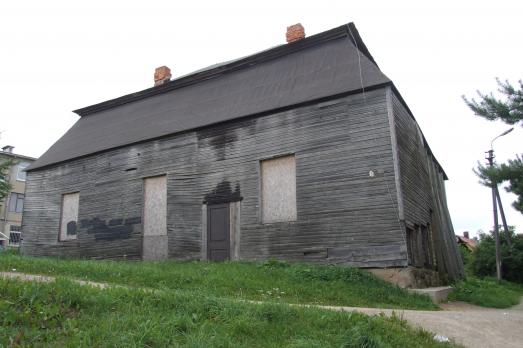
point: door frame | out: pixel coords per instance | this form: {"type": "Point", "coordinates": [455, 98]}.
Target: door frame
{"type": "Point", "coordinates": [234, 231]}
{"type": "Point", "coordinates": [227, 214]}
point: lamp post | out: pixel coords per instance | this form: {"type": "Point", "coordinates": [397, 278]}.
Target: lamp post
{"type": "Point", "coordinates": [495, 197]}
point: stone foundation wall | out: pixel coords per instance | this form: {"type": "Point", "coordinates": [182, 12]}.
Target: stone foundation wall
{"type": "Point", "coordinates": [410, 277]}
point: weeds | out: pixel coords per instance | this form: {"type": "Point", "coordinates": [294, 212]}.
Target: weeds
{"type": "Point", "coordinates": [69, 315]}
{"type": "Point", "coordinates": [270, 280]}
{"type": "Point", "coordinates": [487, 292]}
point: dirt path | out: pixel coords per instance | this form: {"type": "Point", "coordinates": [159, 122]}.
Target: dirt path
{"type": "Point", "coordinates": [466, 324]}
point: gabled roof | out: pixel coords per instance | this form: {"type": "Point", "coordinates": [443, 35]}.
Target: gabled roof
{"type": "Point", "coordinates": [471, 244]}
{"type": "Point", "coordinates": [316, 67]}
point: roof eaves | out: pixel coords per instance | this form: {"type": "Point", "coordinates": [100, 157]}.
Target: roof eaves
{"type": "Point", "coordinates": [14, 155]}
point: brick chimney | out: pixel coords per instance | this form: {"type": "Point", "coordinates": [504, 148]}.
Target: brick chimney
{"type": "Point", "coordinates": [162, 75]}
{"type": "Point", "coordinates": [295, 32]}
{"type": "Point", "coordinates": [466, 234]}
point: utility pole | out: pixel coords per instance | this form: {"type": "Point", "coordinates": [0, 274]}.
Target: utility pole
{"type": "Point", "coordinates": [493, 184]}
{"type": "Point", "coordinates": [505, 225]}
{"type": "Point", "coordinates": [495, 199]}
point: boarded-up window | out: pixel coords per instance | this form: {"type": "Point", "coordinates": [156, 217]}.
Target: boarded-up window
{"type": "Point", "coordinates": [155, 208]}
{"type": "Point", "coordinates": [69, 219]}
{"type": "Point", "coordinates": [155, 244]}
{"type": "Point", "coordinates": [278, 187]}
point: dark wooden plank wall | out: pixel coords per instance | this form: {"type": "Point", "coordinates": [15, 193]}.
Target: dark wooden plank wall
{"type": "Point", "coordinates": [423, 192]}
{"type": "Point", "coordinates": [414, 175]}
{"type": "Point", "coordinates": [344, 215]}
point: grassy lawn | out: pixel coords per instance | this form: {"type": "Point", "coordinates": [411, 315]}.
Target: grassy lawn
{"type": "Point", "coordinates": [487, 292]}
{"type": "Point", "coordinates": [64, 314]}
{"type": "Point", "coordinates": [268, 281]}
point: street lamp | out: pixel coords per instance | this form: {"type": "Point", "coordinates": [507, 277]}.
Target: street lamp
{"type": "Point", "coordinates": [495, 199]}
{"type": "Point", "coordinates": [499, 136]}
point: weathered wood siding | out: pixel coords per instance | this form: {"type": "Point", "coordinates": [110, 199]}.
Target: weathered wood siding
{"type": "Point", "coordinates": [423, 194]}
{"type": "Point", "coordinates": [344, 215]}
{"type": "Point", "coordinates": [414, 175]}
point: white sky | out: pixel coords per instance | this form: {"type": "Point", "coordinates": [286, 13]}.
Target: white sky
{"type": "Point", "coordinates": [57, 56]}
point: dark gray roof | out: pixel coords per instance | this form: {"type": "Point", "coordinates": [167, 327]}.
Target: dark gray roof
{"type": "Point", "coordinates": [316, 67]}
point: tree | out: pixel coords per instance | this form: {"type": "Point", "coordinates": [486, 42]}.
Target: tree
{"type": "Point", "coordinates": [483, 261]}
{"type": "Point", "coordinates": [510, 111]}
{"type": "Point", "coordinates": [5, 186]}
{"type": "Point", "coordinates": [511, 171]}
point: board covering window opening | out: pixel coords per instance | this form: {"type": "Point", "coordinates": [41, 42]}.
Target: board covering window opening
{"type": "Point", "coordinates": [278, 188]}
{"type": "Point", "coordinates": [69, 216]}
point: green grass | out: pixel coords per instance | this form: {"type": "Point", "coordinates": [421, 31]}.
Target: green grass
{"type": "Point", "coordinates": [268, 281]}
{"type": "Point", "coordinates": [487, 292]}
{"type": "Point", "coordinates": [64, 314]}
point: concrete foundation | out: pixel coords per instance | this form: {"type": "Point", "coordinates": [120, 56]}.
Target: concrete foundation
{"type": "Point", "coordinates": [437, 294]}
{"type": "Point", "coordinates": [410, 277]}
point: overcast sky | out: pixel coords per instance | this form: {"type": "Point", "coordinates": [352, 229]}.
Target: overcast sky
{"type": "Point", "coordinates": [57, 56]}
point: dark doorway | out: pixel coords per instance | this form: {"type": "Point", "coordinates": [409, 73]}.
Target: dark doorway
{"type": "Point", "coordinates": [218, 232]}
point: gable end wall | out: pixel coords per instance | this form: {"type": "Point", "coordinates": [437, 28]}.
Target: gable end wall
{"type": "Point", "coordinates": [422, 190]}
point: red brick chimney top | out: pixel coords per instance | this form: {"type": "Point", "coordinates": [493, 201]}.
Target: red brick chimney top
{"type": "Point", "coordinates": [466, 234]}
{"type": "Point", "coordinates": [162, 75]}
{"type": "Point", "coordinates": [295, 32]}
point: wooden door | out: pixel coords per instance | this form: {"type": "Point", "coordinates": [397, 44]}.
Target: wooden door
{"type": "Point", "coordinates": [218, 232]}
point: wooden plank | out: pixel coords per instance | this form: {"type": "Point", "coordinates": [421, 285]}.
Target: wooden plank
{"type": "Point", "coordinates": [395, 154]}
{"type": "Point", "coordinates": [338, 204]}
{"type": "Point", "coordinates": [423, 194]}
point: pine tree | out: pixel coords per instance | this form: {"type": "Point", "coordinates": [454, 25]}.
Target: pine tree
{"type": "Point", "coordinates": [510, 111]}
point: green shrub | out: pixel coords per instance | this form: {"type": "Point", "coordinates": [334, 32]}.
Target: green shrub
{"type": "Point", "coordinates": [10, 251]}
{"type": "Point", "coordinates": [484, 257]}
{"type": "Point", "coordinates": [487, 292]}
{"type": "Point", "coordinates": [467, 257]}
